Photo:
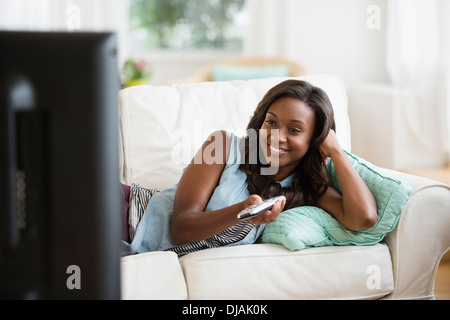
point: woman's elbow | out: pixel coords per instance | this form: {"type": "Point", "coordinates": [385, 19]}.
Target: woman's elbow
{"type": "Point", "coordinates": [176, 239]}
{"type": "Point", "coordinates": [367, 220]}
{"type": "Point", "coordinates": [177, 234]}
{"type": "Point", "coordinates": [370, 220]}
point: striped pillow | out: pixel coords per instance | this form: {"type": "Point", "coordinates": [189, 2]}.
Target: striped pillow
{"type": "Point", "coordinates": [139, 198]}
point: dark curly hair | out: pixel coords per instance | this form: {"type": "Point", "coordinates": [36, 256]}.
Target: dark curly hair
{"type": "Point", "coordinates": [310, 180]}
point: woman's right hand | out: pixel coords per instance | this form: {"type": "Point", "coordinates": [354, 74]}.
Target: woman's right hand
{"type": "Point", "coordinates": [270, 215]}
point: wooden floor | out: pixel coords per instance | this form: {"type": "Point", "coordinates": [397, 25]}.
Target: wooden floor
{"type": "Point", "coordinates": [439, 174]}
{"type": "Point", "coordinates": [442, 282]}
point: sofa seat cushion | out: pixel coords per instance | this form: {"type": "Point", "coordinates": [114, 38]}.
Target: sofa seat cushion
{"type": "Point", "coordinates": [269, 271]}
{"type": "Point", "coordinates": [152, 275]}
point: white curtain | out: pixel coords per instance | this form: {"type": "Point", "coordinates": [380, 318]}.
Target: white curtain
{"type": "Point", "coordinates": [418, 62]}
{"type": "Point", "coordinates": [67, 15]}
{"type": "Point", "coordinates": [266, 31]}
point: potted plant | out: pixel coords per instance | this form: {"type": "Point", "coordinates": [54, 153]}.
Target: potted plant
{"type": "Point", "coordinates": [135, 72]}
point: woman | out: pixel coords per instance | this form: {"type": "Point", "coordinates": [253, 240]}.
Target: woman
{"type": "Point", "coordinates": [294, 130]}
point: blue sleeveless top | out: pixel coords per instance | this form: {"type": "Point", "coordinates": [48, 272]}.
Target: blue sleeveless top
{"type": "Point", "coordinates": [153, 232]}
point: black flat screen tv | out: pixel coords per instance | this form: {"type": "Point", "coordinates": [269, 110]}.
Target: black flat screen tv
{"type": "Point", "coordinates": [60, 209]}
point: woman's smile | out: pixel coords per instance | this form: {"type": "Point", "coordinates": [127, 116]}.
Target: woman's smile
{"type": "Point", "coordinates": [279, 151]}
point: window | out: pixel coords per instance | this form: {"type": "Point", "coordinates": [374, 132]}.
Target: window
{"type": "Point", "coordinates": [187, 24]}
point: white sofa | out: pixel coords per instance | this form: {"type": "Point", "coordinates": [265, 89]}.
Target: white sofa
{"type": "Point", "coordinates": [160, 129]}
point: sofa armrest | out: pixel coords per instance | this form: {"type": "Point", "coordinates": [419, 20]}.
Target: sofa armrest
{"type": "Point", "coordinates": [420, 238]}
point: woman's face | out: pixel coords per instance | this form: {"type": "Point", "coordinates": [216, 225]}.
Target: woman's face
{"type": "Point", "coordinates": [289, 125]}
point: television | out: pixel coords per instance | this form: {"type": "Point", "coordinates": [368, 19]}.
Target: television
{"type": "Point", "coordinates": [60, 207]}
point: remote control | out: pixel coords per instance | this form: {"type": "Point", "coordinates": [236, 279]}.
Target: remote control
{"type": "Point", "coordinates": [258, 209]}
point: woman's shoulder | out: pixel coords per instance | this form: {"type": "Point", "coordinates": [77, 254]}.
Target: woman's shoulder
{"type": "Point", "coordinates": [223, 145]}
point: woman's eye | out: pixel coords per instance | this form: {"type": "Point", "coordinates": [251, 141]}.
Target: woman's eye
{"type": "Point", "coordinates": [295, 130]}
{"type": "Point", "coordinates": [270, 122]}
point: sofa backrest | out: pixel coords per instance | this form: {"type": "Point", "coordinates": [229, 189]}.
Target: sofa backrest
{"type": "Point", "coordinates": [161, 127]}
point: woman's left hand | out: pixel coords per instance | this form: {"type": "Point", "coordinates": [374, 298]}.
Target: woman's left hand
{"type": "Point", "coordinates": [329, 146]}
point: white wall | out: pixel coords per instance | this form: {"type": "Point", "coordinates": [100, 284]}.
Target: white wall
{"type": "Point", "coordinates": [330, 36]}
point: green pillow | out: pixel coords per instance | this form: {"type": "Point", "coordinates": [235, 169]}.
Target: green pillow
{"type": "Point", "coordinates": [391, 196]}
{"type": "Point", "coordinates": [230, 72]}
{"type": "Point", "coordinates": [295, 230]}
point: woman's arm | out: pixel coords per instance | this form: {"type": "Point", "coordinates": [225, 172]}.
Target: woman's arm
{"type": "Point", "coordinates": [190, 223]}
{"type": "Point", "coordinates": [356, 208]}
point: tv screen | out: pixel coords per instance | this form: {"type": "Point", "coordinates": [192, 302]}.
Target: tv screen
{"type": "Point", "coordinates": [60, 218]}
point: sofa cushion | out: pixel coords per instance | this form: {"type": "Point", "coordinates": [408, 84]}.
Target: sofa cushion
{"type": "Point", "coordinates": [264, 271]}
{"type": "Point", "coordinates": [161, 127]}
{"type": "Point", "coordinates": [303, 227]}
{"type": "Point", "coordinates": [152, 275]}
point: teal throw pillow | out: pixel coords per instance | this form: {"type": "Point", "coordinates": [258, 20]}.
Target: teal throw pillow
{"type": "Point", "coordinates": [230, 72]}
{"type": "Point", "coordinates": [391, 196]}
{"type": "Point", "coordinates": [295, 230]}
